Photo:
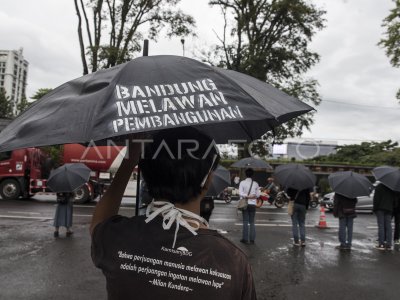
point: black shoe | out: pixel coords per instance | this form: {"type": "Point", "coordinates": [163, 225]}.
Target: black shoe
{"type": "Point", "coordinates": [69, 233]}
{"type": "Point", "coordinates": [244, 241]}
{"type": "Point", "coordinates": [252, 242]}
{"type": "Point", "coordinates": [380, 247]}
{"type": "Point", "coordinates": [56, 234]}
{"type": "Point", "coordinates": [341, 247]}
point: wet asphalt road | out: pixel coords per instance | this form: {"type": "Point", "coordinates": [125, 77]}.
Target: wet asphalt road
{"type": "Point", "coordinates": [34, 265]}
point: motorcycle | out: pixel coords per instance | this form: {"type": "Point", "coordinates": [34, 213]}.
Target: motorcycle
{"type": "Point", "coordinates": [315, 199]}
{"type": "Point", "coordinates": [228, 194]}
{"type": "Point", "coordinates": [280, 199]}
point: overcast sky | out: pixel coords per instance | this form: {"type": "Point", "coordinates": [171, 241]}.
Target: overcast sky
{"type": "Point", "coordinates": [357, 83]}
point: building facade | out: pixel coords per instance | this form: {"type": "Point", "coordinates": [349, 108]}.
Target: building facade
{"type": "Point", "coordinates": [304, 149]}
{"type": "Point", "coordinates": [13, 75]}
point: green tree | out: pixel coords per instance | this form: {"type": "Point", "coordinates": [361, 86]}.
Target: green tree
{"type": "Point", "coordinates": [269, 39]}
{"type": "Point", "coordinates": [115, 33]}
{"type": "Point", "coordinates": [6, 108]}
{"type": "Point", "coordinates": [23, 105]}
{"type": "Point", "coordinates": [40, 93]}
{"type": "Point", "coordinates": [391, 39]}
{"type": "Point", "coordinates": [367, 153]}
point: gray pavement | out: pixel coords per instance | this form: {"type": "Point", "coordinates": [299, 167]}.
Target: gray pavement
{"type": "Point", "coordinates": [34, 265]}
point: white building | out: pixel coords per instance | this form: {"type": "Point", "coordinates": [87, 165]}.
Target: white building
{"type": "Point", "coordinates": [304, 149]}
{"type": "Point", "coordinates": [13, 75]}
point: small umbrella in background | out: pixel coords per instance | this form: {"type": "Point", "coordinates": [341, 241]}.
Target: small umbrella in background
{"type": "Point", "coordinates": [295, 176]}
{"type": "Point", "coordinates": [250, 162]}
{"type": "Point", "coordinates": [68, 177]}
{"type": "Point", "coordinates": [389, 176]}
{"type": "Point", "coordinates": [220, 180]}
{"type": "Point", "coordinates": [350, 184]}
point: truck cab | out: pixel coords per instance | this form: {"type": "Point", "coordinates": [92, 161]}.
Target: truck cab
{"type": "Point", "coordinates": [18, 169]}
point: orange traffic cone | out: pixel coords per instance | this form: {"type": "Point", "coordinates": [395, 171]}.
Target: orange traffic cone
{"type": "Point", "coordinates": [322, 219]}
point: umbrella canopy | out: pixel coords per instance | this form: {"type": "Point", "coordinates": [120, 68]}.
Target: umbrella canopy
{"type": "Point", "coordinates": [68, 177]}
{"type": "Point", "coordinates": [350, 184]}
{"type": "Point", "coordinates": [389, 176]}
{"type": "Point", "coordinates": [295, 176]}
{"type": "Point", "coordinates": [151, 93]}
{"type": "Point", "coordinates": [250, 162]}
{"type": "Point", "coordinates": [220, 180]}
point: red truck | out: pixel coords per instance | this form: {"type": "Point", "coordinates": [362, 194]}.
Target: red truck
{"type": "Point", "coordinates": [24, 172]}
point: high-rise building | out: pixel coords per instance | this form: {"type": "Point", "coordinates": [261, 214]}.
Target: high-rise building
{"type": "Point", "coordinates": [13, 75]}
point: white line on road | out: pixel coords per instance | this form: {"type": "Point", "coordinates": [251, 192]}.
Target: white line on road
{"type": "Point", "coordinates": [23, 212]}
{"type": "Point", "coordinates": [25, 217]}
{"type": "Point", "coordinates": [281, 225]}
{"type": "Point", "coordinates": [272, 213]}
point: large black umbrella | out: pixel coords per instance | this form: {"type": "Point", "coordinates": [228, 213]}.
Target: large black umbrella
{"type": "Point", "coordinates": [151, 93]}
{"type": "Point", "coordinates": [68, 177]}
{"type": "Point", "coordinates": [350, 184]}
{"type": "Point", "coordinates": [250, 162]}
{"type": "Point", "coordinates": [389, 176]}
{"type": "Point", "coordinates": [220, 180]}
{"type": "Point", "coordinates": [295, 176]}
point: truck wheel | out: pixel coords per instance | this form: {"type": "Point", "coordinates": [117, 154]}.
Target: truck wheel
{"type": "Point", "coordinates": [82, 195]}
{"type": "Point", "coordinates": [10, 189]}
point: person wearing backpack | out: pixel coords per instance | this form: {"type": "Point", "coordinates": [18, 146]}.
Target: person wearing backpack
{"type": "Point", "coordinates": [249, 190]}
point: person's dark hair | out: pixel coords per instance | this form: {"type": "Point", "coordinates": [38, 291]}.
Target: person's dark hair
{"type": "Point", "coordinates": [173, 168]}
{"type": "Point", "coordinates": [249, 172]}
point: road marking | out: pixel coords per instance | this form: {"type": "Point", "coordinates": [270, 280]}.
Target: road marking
{"type": "Point", "coordinates": [281, 225]}
{"type": "Point", "coordinates": [23, 212]}
{"type": "Point", "coordinates": [271, 213]}
{"type": "Point", "coordinates": [25, 217]}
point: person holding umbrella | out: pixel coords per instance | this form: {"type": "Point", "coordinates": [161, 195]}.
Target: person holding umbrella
{"type": "Point", "coordinates": [172, 238]}
{"type": "Point", "coordinates": [387, 201]}
{"type": "Point", "coordinates": [344, 208]}
{"type": "Point", "coordinates": [249, 190]}
{"type": "Point", "coordinates": [301, 200]}
{"type": "Point", "coordinates": [298, 180]}
{"type": "Point", "coordinates": [383, 203]}
{"type": "Point", "coordinates": [63, 214]}
{"type": "Point", "coordinates": [64, 181]}
{"type": "Point", "coordinates": [347, 186]}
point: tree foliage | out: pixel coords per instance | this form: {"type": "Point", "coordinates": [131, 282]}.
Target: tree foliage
{"type": "Point", "coordinates": [23, 105]}
{"type": "Point", "coordinates": [6, 108]}
{"type": "Point", "coordinates": [40, 93]}
{"type": "Point", "coordinates": [113, 28]}
{"type": "Point", "coordinates": [269, 39]}
{"type": "Point", "coordinates": [391, 40]}
{"type": "Point", "coordinates": [371, 153]}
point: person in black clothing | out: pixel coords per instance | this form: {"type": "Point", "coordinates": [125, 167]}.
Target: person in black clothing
{"type": "Point", "coordinates": [344, 208]}
{"type": "Point", "coordinates": [383, 203]}
{"type": "Point", "coordinates": [396, 216]}
{"type": "Point", "coordinates": [161, 255]}
{"type": "Point", "coordinates": [301, 202]}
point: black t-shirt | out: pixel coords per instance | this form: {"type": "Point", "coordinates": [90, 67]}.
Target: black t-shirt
{"type": "Point", "coordinates": [139, 262]}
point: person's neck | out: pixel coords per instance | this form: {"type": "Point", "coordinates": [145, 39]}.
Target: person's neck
{"type": "Point", "coordinates": [192, 206]}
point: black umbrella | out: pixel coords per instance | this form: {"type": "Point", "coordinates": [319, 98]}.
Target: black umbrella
{"type": "Point", "coordinates": [350, 184]}
{"type": "Point", "coordinates": [68, 177]}
{"type": "Point", "coordinates": [295, 176]}
{"type": "Point", "coordinates": [220, 180]}
{"type": "Point", "coordinates": [151, 93]}
{"type": "Point", "coordinates": [250, 162]}
{"type": "Point", "coordinates": [389, 176]}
